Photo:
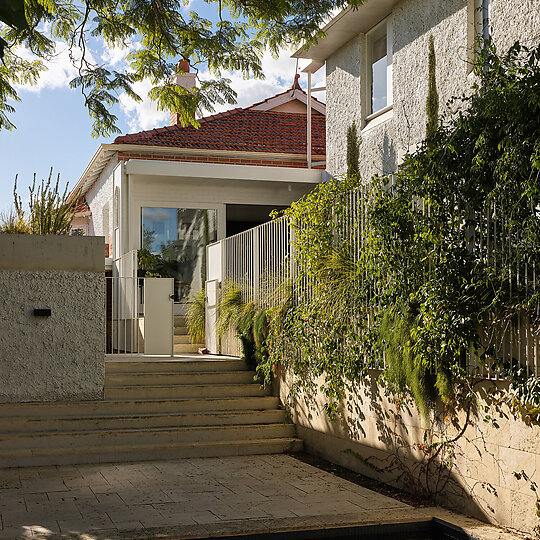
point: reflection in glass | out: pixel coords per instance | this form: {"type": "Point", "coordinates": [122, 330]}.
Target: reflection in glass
{"type": "Point", "coordinates": [379, 98]}
{"type": "Point", "coordinates": [179, 236]}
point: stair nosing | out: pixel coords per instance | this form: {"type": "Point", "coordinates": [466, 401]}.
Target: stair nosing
{"type": "Point", "coordinates": [56, 434]}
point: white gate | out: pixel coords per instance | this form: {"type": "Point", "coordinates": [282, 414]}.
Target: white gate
{"type": "Point", "coordinates": [158, 316]}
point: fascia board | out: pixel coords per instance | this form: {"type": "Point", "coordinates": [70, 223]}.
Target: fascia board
{"type": "Point", "coordinates": [220, 171]}
{"type": "Point", "coordinates": [344, 27]}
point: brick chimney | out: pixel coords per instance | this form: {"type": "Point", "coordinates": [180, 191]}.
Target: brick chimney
{"type": "Point", "coordinates": [185, 79]}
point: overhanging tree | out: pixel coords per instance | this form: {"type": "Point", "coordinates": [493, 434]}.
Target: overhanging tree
{"type": "Point", "coordinates": [158, 34]}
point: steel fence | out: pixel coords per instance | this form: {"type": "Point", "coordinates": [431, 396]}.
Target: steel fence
{"type": "Point", "coordinates": [261, 261]}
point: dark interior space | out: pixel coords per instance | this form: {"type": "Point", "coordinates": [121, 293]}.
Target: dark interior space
{"type": "Point", "coordinates": [241, 217]}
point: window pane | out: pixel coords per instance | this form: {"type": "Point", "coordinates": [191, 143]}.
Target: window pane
{"type": "Point", "coordinates": [379, 98]}
{"type": "Point", "coordinates": [179, 237]}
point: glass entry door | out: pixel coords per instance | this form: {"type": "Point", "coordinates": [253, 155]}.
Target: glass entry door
{"type": "Point", "coordinates": [175, 241]}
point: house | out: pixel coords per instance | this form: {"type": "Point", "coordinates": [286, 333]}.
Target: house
{"type": "Point", "coordinates": [376, 60]}
{"type": "Point", "coordinates": [173, 190]}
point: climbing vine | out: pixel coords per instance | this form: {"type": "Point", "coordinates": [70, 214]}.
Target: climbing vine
{"type": "Point", "coordinates": [443, 255]}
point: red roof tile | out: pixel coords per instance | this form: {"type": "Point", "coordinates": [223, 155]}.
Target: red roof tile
{"type": "Point", "coordinates": [241, 130]}
{"type": "Point", "coordinates": [82, 206]}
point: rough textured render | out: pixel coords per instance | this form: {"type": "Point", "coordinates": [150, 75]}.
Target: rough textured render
{"type": "Point", "coordinates": [97, 197]}
{"type": "Point", "coordinates": [58, 357]}
{"type": "Point", "coordinates": [482, 480]}
{"type": "Point", "coordinates": [384, 145]}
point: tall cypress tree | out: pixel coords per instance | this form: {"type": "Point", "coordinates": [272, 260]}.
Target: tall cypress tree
{"type": "Point", "coordinates": [353, 151]}
{"type": "Point", "coordinates": [432, 101]}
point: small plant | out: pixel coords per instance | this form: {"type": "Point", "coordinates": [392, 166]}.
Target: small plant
{"type": "Point", "coordinates": [353, 151]}
{"type": "Point", "coordinates": [13, 222]}
{"type": "Point", "coordinates": [432, 101]}
{"type": "Point", "coordinates": [50, 212]}
{"type": "Point", "coordinates": [196, 318]}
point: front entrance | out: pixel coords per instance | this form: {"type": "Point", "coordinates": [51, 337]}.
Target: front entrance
{"type": "Point", "coordinates": [174, 241]}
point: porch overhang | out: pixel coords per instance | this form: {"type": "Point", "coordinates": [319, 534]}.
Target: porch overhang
{"type": "Point", "coordinates": [218, 171]}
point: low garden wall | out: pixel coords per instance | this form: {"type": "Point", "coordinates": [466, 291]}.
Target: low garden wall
{"type": "Point", "coordinates": [480, 474]}
{"type": "Point", "coordinates": [56, 355]}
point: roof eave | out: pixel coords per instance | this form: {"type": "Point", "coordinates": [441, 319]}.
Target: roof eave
{"type": "Point", "coordinates": [346, 25]}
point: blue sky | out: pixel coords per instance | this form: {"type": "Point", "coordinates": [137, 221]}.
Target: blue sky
{"type": "Point", "coordinates": [54, 129]}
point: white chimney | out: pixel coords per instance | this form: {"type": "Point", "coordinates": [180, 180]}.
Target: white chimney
{"type": "Point", "coordinates": [185, 79]}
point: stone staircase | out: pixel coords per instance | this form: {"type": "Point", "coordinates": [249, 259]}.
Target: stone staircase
{"type": "Point", "coordinates": [153, 409]}
{"type": "Point", "coordinates": [182, 341]}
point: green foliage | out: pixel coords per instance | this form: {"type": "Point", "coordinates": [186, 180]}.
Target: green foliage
{"type": "Point", "coordinates": [196, 317]}
{"type": "Point", "coordinates": [353, 151]}
{"type": "Point", "coordinates": [432, 101]}
{"type": "Point", "coordinates": [427, 291]}
{"type": "Point", "coordinates": [248, 321]}
{"type": "Point", "coordinates": [149, 262]}
{"type": "Point", "coordinates": [50, 212]}
{"type": "Point", "coordinates": [13, 222]}
{"type": "Point", "coordinates": [155, 36]}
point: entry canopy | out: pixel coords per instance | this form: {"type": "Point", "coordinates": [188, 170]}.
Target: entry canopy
{"type": "Point", "coordinates": [342, 28]}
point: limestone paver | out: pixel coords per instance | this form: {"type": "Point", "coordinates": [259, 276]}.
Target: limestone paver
{"type": "Point", "coordinates": [183, 499]}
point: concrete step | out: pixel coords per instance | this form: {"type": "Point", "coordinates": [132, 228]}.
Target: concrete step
{"type": "Point", "coordinates": [174, 365]}
{"type": "Point", "coordinates": [183, 339]}
{"type": "Point", "coordinates": [142, 421]}
{"type": "Point", "coordinates": [179, 320]}
{"type": "Point", "coordinates": [156, 379]}
{"type": "Point", "coordinates": [180, 348]}
{"type": "Point", "coordinates": [89, 409]}
{"type": "Point", "coordinates": [151, 436]}
{"type": "Point", "coordinates": [180, 331]}
{"type": "Point", "coordinates": [168, 391]}
{"type": "Point", "coordinates": [141, 452]}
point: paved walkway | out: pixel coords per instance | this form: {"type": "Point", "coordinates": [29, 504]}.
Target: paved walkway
{"type": "Point", "coordinates": [196, 498]}
{"type": "Point", "coordinates": [192, 494]}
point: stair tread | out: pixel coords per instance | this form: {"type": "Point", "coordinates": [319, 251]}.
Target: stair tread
{"type": "Point", "coordinates": [15, 435]}
{"type": "Point", "coordinates": [51, 404]}
{"type": "Point", "coordinates": [146, 447]}
{"type": "Point", "coordinates": [245, 412]}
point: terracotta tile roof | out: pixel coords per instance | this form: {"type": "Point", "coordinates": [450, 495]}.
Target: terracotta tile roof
{"type": "Point", "coordinates": [241, 130]}
{"type": "Point", "coordinates": [82, 207]}
{"type": "Point", "coordinates": [295, 86]}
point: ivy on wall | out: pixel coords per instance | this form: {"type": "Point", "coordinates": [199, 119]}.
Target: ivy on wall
{"type": "Point", "coordinates": [450, 254]}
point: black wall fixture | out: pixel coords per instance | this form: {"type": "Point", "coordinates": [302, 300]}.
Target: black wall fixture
{"type": "Point", "coordinates": [46, 312]}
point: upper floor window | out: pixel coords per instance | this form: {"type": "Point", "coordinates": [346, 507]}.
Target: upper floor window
{"type": "Point", "coordinates": [379, 47]}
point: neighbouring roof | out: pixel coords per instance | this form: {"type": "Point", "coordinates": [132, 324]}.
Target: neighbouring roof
{"type": "Point", "coordinates": [245, 130]}
{"type": "Point", "coordinates": [82, 209]}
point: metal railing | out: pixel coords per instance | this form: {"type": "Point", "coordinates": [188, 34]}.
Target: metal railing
{"type": "Point", "coordinates": [261, 260]}
{"type": "Point", "coordinates": [123, 307]}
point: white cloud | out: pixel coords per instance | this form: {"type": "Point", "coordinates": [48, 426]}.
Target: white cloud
{"type": "Point", "coordinates": [279, 76]}
{"type": "Point", "coordinates": [143, 115]}
{"type": "Point", "coordinates": [60, 69]}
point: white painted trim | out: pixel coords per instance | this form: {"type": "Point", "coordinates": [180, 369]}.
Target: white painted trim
{"type": "Point", "coordinates": [287, 98]}
{"type": "Point", "coordinates": [188, 169]}
{"type": "Point", "coordinates": [105, 152]}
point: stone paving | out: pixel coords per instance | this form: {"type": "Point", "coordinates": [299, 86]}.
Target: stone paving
{"type": "Point", "coordinates": [190, 497]}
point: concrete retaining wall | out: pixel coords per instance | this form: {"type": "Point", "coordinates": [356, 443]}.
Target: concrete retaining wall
{"type": "Point", "coordinates": [481, 480]}
{"type": "Point", "coordinates": [58, 357]}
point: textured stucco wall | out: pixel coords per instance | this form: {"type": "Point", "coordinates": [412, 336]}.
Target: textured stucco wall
{"type": "Point", "coordinates": [97, 197]}
{"type": "Point", "coordinates": [384, 145]}
{"type": "Point", "coordinates": [61, 357]}
{"type": "Point", "coordinates": [370, 426]}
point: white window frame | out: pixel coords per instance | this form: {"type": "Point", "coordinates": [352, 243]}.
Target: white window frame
{"type": "Point", "coordinates": [369, 115]}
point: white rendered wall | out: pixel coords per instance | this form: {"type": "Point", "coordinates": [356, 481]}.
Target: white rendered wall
{"type": "Point", "coordinates": [97, 197]}
{"type": "Point", "coordinates": [385, 143]}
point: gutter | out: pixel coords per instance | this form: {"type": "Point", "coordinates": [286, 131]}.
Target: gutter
{"type": "Point", "coordinates": [106, 152]}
